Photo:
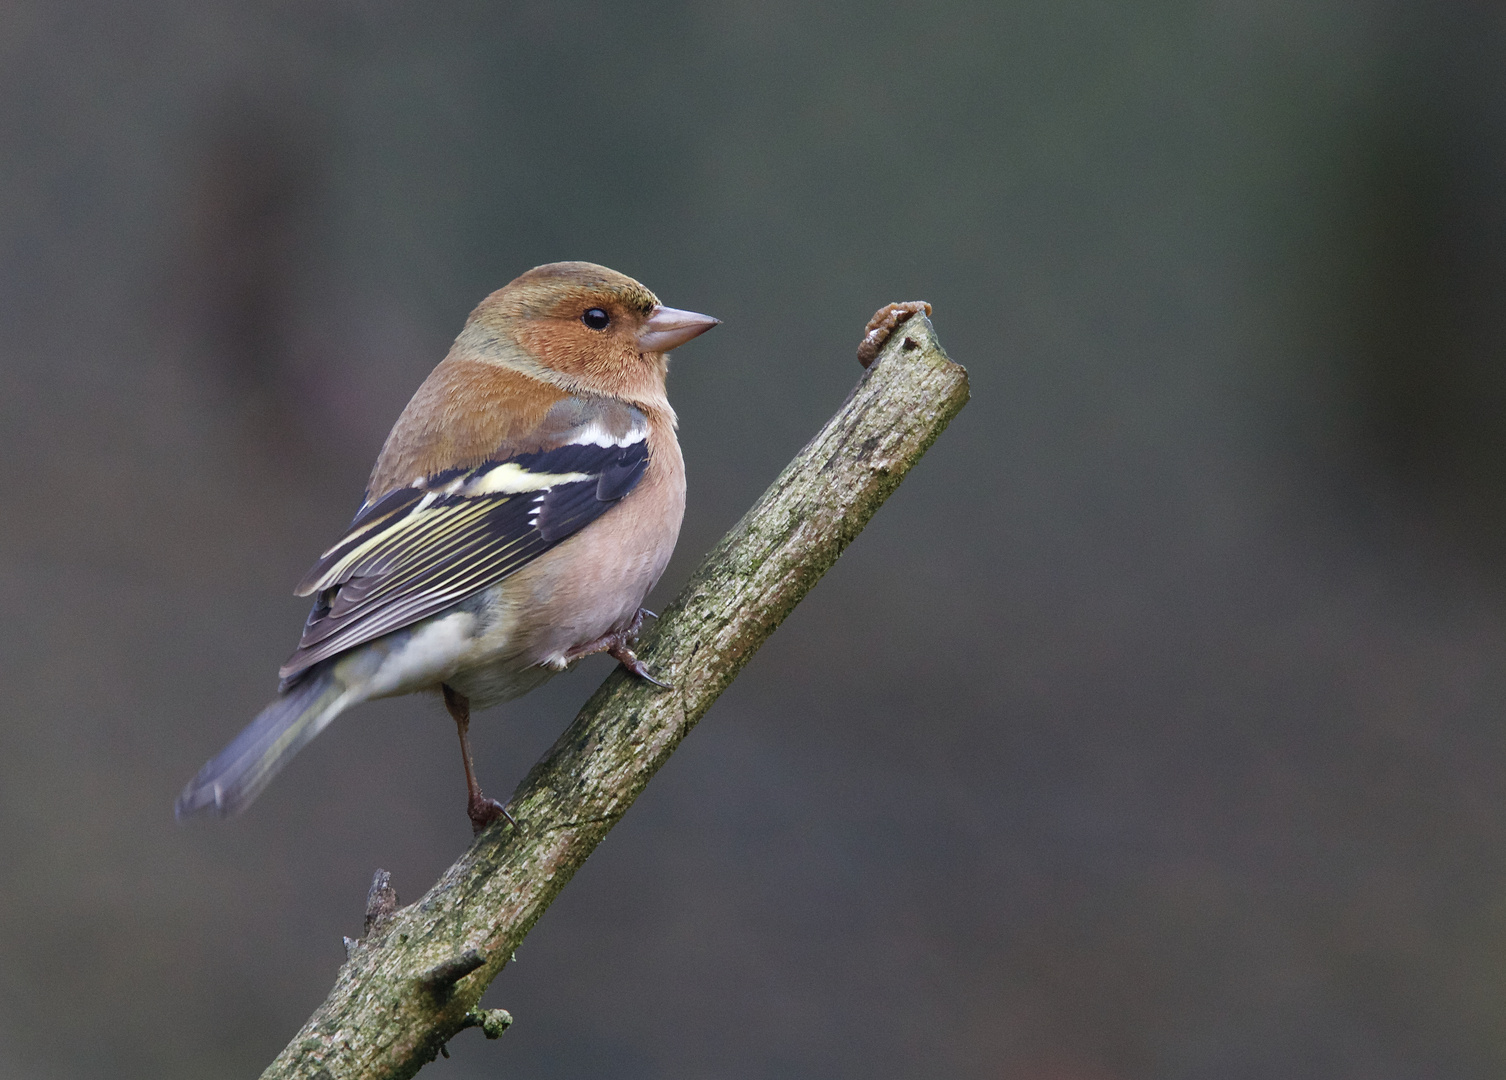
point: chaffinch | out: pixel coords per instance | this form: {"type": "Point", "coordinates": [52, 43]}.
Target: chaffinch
{"type": "Point", "coordinates": [526, 501]}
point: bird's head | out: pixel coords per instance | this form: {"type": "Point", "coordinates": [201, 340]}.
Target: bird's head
{"type": "Point", "coordinates": [582, 327]}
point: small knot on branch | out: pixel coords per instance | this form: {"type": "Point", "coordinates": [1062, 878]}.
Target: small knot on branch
{"type": "Point", "coordinates": [884, 320]}
{"type": "Point", "coordinates": [442, 977]}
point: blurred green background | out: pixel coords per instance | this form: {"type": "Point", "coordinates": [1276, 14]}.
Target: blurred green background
{"type": "Point", "coordinates": [1154, 728]}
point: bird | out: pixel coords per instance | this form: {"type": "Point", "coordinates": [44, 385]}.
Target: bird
{"type": "Point", "coordinates": [525, 502]}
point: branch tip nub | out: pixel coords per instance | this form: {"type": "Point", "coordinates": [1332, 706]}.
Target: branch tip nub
{"type": "Point", "coordinates": [884, 320]}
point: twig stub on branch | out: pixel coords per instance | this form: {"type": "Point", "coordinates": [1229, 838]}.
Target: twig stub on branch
{"type": "Point", "coordinates": [381, 901]}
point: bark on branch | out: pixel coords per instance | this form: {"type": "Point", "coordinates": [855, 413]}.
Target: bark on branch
{"type": "Point", "coordinates": [417, 977]}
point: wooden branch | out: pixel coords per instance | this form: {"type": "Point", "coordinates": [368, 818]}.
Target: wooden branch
{"type": "Point", "coordinates": [417, 977]}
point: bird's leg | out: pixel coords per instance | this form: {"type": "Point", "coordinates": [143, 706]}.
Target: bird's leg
{"type": "Point", "coordinates": [482, 811]}
{"type": "Point", "coordinates": [619, 646]}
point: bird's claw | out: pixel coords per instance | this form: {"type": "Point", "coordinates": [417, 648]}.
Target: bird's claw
{"type": "Point", "coordinates": [629, 659]}
{"type": "Point", "coordinates": [484, 811]}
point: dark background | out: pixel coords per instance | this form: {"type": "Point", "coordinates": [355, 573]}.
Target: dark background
{"type": "Point", "coordinates": [1153, 729]}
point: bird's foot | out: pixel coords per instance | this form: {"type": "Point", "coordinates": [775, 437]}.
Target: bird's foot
{"type": "Point", "coordinates": [619, 646]}
{"type": "Point", "coordinates": [624, 655]}
{"type": "Point", "coordinates": [484, 811]}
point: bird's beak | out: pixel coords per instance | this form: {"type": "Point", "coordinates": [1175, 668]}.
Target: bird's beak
{"type": "Point", "coordinates": [668, 327]}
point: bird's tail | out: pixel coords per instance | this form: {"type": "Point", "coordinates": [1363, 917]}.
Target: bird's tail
{"type": "Point", "coordinates": [237, 774]}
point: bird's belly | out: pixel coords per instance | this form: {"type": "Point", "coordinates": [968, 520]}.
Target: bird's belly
{"type": "Point", "coordinates": [530, 625]}
{"type": "Point", "coordinates": [472, 647]}
{"type": "Point", "coordinates": [491, 684]}
{"type": "Point", "coordinates": [516, 650]}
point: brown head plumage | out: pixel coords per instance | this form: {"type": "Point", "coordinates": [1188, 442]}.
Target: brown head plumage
{"type": "Point", "coordinates": [563, 328]}
{"type": "Point", "coordinates": [589, 328]}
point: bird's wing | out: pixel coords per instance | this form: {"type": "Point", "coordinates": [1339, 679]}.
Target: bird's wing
{"type": "Point", "coordinates": [421, 548]}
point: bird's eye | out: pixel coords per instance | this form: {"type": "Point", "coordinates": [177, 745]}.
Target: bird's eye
{"type": "Point", "coordinates": [596, 319]}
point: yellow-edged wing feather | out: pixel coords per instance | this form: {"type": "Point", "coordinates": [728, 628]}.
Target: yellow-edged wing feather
{"type": "Point", "coordinates": [420, 549]}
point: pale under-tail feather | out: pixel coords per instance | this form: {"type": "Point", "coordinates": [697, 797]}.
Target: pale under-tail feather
{"type": "Point", "coordinates": [238, 773]}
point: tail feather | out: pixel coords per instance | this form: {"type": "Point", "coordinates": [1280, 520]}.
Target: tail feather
{"type": "Point", "coordinates": [238, 773]}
